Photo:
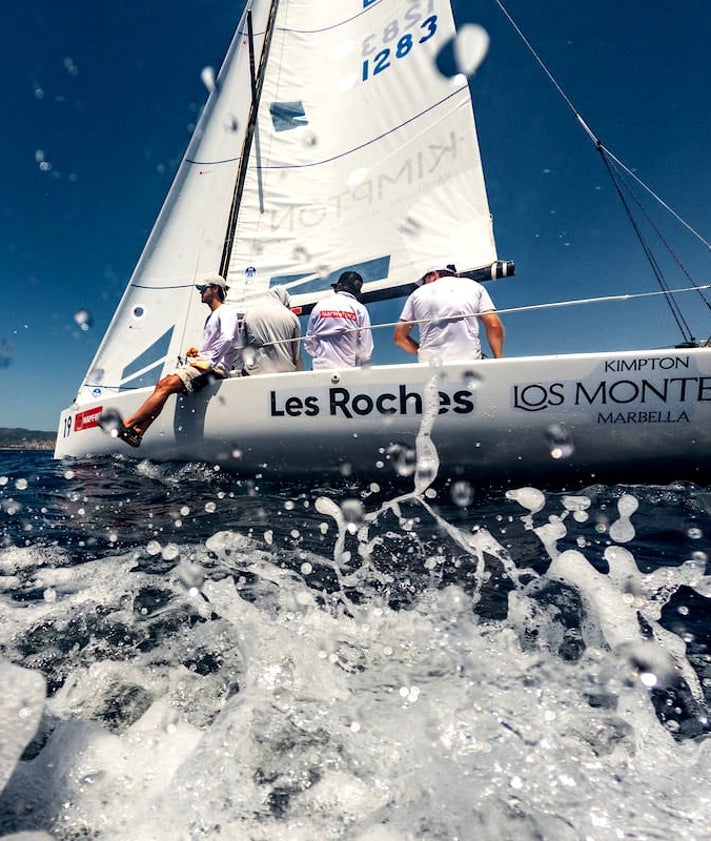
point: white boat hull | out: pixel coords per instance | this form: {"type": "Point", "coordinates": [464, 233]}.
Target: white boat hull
{"type": "Point", "coordinates": [638, 413]}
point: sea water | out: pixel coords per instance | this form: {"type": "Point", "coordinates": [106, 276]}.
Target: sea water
{"type": "Point", "coordinates": [185, 654]}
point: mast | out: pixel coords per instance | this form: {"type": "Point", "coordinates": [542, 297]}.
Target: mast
{"type": "Point", "coordinates": [257, 85]}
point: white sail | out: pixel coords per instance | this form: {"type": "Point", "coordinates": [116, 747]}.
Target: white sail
{"type": "Point", "coordinates": [160, 310]}
{"type": "Point", "coordinates": [336, 180]}
{"type": "Point", "coordinates": [332, 179]}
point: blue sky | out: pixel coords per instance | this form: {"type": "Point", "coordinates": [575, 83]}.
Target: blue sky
{"type": "Point", "coordinates": [98, 103]}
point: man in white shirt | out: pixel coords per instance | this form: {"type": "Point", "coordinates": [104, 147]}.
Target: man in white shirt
{"type": "Point", "coordinates": [213, 360]}
{"type": "Point", "coordinates": [447, 310]}
{"type": "Point", "coordinates": [338, 334]}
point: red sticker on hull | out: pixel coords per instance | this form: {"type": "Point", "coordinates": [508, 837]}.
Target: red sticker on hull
{"type": "Point", "coordinates": [88, 419]}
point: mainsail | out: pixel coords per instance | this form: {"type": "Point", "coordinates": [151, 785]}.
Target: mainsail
{"type": "Point", "coordinates": [363, 155]}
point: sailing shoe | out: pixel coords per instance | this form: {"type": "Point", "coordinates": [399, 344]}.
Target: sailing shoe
{"type": "Point", "coordinates": [130, 435]}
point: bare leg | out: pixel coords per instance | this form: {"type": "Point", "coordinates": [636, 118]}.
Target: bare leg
{"type": "Point", "coordinates": [153, 406]}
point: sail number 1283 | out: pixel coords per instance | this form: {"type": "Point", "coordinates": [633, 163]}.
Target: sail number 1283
{"type": "Point", "coordinates": [384, 58]}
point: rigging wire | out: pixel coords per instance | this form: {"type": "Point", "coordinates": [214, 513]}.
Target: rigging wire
{"type": "Point", "coordinates": [663, 240]}
{"type": "Point", "coordinates": [663, 285]}
{"type": "Point", "coordinates": [628, 296]}
{"type": "Point", "coordinates": [607, 157]}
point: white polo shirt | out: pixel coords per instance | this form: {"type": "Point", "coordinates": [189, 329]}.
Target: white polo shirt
{"type": "Point", "coordinates": [443, 306]}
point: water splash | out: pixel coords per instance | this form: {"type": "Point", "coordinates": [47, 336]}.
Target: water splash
{"type": "Point", "coordinates": [358, 686]}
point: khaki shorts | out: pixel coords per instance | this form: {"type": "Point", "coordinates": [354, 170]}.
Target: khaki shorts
{"type": "Point", "coordinates": [195, 379]}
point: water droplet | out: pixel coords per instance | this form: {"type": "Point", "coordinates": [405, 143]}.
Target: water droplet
{"type": "Point", "coordinates": [110, 421]}
{"type": "Point", "coordinates": [464, 54]}
{"type": "Point", "coordinates": [530, 498]}
{"type": "Point", "coordinates": [622, 530]}
{"type": "Point", "coordinates": [208, 78]}
{"type": "Point", "coordinates": [560, 441]}
{"type": "Point", "coordinates": [470, 48]}
{"type": "Point", "coordinates": [694, 533]}
{"type": "Point", "coordinates": [472, 380]}
{"type": "Point", "coordinates": [210, 507]}
{"type": "Point", "coordinates": [576, 503]}
{"type": "Point", "coordinates": [21, 484]}
{"type": "Point", "coordinates": [462, 494]}
{"type": "Point", "coordinates": [353, 511]}
{"type": "Point", "coordinates": [627, 505]}
{"type": "Point", "coordinates": [153, 547]}
{"type": "Point", "coordinates": [402, 458]}
{"type": "Point", "coordinates": [269, 537]}
{"type": "Point", "coordinates": [357, 177]}
{"type": "Point", "coordinates": [84, 319]}
{"type": "Point", "coordinates": [248, 357]}
{"type": "Point", "coordinates": [306, 568]}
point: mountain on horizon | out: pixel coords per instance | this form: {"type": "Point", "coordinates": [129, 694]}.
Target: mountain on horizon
{"type": "Point", "coordinates": [18, 438]}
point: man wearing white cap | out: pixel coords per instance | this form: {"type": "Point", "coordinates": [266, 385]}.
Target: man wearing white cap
{"type": "Point", "coordinates": [212, 361]}
{"type": "Point", "coordinates": [447, 310]}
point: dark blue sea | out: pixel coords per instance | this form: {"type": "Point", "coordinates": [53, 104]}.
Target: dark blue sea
{"type": "Point", "coordinates": [186, 654]}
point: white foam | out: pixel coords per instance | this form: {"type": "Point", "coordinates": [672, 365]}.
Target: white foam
{"type": "Point", "coordinates": [275, 708]}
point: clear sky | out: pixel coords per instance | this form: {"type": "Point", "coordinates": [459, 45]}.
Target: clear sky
{"type": "Point", "coordinates": [99, 101]}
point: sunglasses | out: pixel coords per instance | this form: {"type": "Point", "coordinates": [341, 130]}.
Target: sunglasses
{"type": "Point", "coordinates": [201, 289]}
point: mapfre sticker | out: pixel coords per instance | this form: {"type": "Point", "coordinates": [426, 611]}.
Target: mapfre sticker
{"type": "Point", "coordinates": [88, 419]}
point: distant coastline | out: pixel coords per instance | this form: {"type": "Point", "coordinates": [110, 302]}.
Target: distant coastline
{"type": "Point", "coordinates": [26, 439]}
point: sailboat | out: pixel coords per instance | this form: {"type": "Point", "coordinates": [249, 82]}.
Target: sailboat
{"type": "Point", "coordinates": [331, 141]}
